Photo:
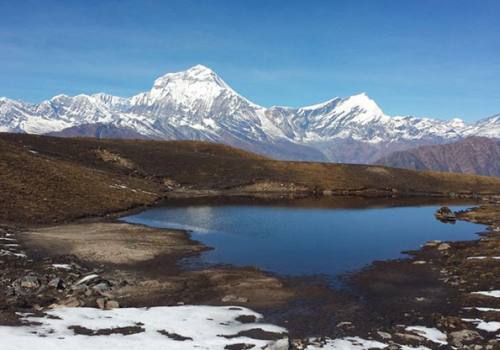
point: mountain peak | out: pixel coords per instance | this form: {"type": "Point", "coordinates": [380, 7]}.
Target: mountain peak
{"type": "Point", "coordinates": [363, 102]}
{"type": "Point", "coordinates": [198, 74]}
{"type": "Point", "coordinates": [199, 69]}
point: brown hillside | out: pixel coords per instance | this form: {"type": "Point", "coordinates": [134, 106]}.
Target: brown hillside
{"type": "Point", "coordinates": [474, 155]}
{"type": "Point", "coordinates": [48, 178]}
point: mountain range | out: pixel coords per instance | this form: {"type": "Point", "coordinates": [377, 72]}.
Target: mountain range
{"type": "Point", "coordinates": [196, 104]}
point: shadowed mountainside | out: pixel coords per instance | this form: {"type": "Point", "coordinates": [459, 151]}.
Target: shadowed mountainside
{"type": "Point", "coordinates": [473, 155]}
{"type": "Point", "coordinates": [46, 179]}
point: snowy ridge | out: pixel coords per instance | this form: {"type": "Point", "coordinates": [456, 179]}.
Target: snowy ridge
{"type": "Point", "coordinates": [197, 104]}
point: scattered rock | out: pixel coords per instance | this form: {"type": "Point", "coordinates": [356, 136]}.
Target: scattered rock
{"type": "Point", "coordinates": [104, 304]}
{"type": "Point", "coordinates": [384, 335]}
{"type": "Point", "coordinates": [443, 246]}
{"type": "Point", "coordinates": [56, 283]}
{"type": "Point", "coordinates": [459, 338]}
{"type": "Point", "coordinates": [30, 282]}
{"type": "Point", "coordinates": [410, 337]}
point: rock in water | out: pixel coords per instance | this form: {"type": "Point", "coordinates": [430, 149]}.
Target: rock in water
{"type": "Point", "coordinates": [445, 214]}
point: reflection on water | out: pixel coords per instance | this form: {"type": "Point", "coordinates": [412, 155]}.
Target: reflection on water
{"type": "Point", "coordinates": [327, 236]}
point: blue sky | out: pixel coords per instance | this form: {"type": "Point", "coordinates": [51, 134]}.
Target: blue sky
{"type": "Point", "coordinates": [437, 58]}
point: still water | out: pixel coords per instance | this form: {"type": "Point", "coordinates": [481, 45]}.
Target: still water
{"type": "Point", "coordinates": [325, 237]}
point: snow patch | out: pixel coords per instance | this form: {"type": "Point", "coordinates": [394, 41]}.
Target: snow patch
{"type": "Point", "coordinates": [86, 279]}
{"type": "Point", "coordinates": [4, 252]}
{"type": "Point", "coordinates": [490, 293]}
{"type": "Point", "coordinates": [164, 327]}
{"type": "Point", "coordinates": [62, 266]}
{"type": "Point", "coordinates": [491, 326]}
{"type": "Point", "coordinates": [432, 334]}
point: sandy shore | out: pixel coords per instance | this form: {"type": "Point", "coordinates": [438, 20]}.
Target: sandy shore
{"type": "Point", "coordinates": [146, 258]}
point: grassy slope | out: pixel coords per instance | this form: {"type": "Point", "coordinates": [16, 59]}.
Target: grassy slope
{"type": "Point", "coordinates": [36, 188]}
{"type": "Point", "coordinates": [66, 178]}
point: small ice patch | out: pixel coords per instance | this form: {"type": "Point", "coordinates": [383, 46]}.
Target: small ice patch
{"type": "Point", "coordinates": [164, 327]}
{"type": "Point", "coordinates": [62, 266]}
{"type": "Point", "coordinates": [483, 309]}
{"type": "Point", "coordinates": [118, 186]}
{"type": "Point", "coordinates": [350, 343]}
{"type": "Point", "coordinates": [489, 293]}
{"type": "Point", "coordinates": [4, 252]}
{"type": "Point", "coordinates": [483, 257]}
{"type": "Point", "coordinates": [432, 334]}
{"type": "Point", "coordinates": [86, 279]}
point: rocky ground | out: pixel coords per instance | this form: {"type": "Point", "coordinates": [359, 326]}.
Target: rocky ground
{"type": "Point", "coordinates": [446, 296]}
{"type": "Point", "coordinates": [112, 264]}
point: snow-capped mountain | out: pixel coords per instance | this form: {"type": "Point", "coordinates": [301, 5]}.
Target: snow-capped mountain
{"type": "Point", "coordinates": [197, 104]}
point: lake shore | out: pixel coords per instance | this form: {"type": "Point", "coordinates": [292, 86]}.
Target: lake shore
{"type": "Point", "coordinates": [432, 288]}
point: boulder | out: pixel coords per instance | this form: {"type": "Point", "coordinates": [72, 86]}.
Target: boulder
{"type": "Point", "coordinates": [56, 283]}
{"type": "Point", "coordinates": [445, 214]}
{"type": "Point", "coordinates": [105, 304]}
{"type": "Point", "coordinates": [112, 304]}
{"type": "Point", "coordinates": [101, 303]}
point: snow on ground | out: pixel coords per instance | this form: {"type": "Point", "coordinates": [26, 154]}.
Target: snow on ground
{"type": "Point", "coordinates": [62, 266]}
{"type": "Point", "coordinates": [492, 326]}
{"type": "Point", "coordinates": [86, 279]}
{"type": "Point", "coordinates": [350, 343]}
{"type": "Point", "coordinates": [9, 247]}
{"type": "Point", "coordinates": [163, 327]}
{"type": "Point", "coordinates": [483, 257]}
{"type": "Point", "coordinates": [432, 334]}
{"type": "Point", "coordinates": [4, 252]}
{"type": "Point", "coordinates": [483, 309]}
{"type": "Point", "coordinates": [489, 293]}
